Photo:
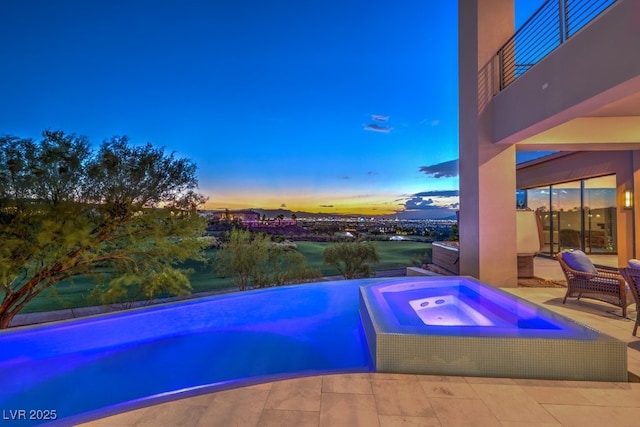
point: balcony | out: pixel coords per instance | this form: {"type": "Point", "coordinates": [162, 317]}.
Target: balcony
{"type": "Point", "coordinates": [555, 22]}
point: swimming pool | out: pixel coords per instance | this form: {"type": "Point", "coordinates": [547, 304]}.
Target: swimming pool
{"type": "Point", "coordinates": [94, 367]}
{"type": "Point", "coordinates": [460, 326]}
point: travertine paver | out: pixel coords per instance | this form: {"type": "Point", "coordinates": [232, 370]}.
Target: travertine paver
{"type": "Point", "coordinates": [394, 397]}
{"type": "Point", "coordinates": [347, 383]}
{"type": "Point", "coordinates": [512, 403]}
{"type": "Point", "coordinates": [301, 394]}
{"type": "Point", "coordinates": [580, 416]}
{"type": "Point", "coordinates": [344, 409]}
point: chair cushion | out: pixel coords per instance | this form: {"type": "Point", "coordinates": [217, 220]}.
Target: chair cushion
{"type": "Point", "coordinates": [634, 263]}
{"type": "Point", "coordinates": [579, 261]}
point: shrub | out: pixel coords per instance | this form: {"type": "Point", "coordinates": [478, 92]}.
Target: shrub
{"type": "Point", "coordinates": [352, 259]}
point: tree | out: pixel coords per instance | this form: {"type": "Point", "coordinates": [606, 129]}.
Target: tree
{"type": "Point", "coordinates": [122, 214]}
{"type": "Point", "coordinates": [352, 259]}
{"type": "Point", "coordinates": [285, 266]}
{"type": "Point", "coordinates": [242, 255]}
{"type": "Point", "coordinates": [255, 261]}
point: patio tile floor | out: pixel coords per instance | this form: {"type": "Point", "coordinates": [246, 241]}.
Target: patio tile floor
{"type": "Point", "coordinates": [421, 402]}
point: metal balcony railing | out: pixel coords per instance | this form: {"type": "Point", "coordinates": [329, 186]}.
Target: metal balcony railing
{"type": "Point", "coordinates": [551, 25]}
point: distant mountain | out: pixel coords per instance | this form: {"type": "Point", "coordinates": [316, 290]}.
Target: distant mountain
{"type": "Point", "coordinates": [272, 213]}
{"type": "Point", "coordinates": [435, 213]}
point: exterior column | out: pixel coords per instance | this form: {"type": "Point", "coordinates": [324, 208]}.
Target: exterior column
{"type": "Point", "coordinates": [487, 171]}
{"type": "Point", "coordinates": [628, 179]}
{"type": "Point", "coordinates": [469, 213]}
{"type": "Point", "coordinates": [635, 226]}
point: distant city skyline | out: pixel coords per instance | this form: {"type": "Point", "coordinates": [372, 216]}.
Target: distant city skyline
{"type": "Point", "coordinates": [322, 107]}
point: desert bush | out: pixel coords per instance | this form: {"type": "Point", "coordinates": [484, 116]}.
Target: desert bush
{"type": "Point", "coordinates": [352, 259]}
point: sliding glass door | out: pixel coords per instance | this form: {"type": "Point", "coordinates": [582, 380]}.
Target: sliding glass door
{"type": "Point", "coordinates": [566, 215]}
{"type": "Point", "coordinates": [600, 215]}
{"type": "Point", "coordinates": [577, 215]}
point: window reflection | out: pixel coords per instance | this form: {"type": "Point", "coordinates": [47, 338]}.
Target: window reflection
{"type": "Point", "coordinates": [565, 204]}
{"type": "Point", "coordinates": [600, 215]}
{"type": "Point", "coordinates": [577, 215]}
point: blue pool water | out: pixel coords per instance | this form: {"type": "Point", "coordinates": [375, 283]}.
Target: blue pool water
{"type": "Point", "coordinates": [94, 367]}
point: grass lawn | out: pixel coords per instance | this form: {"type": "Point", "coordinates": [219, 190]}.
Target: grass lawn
{"type": "Point", "coordinates": [393, 254]}
{"type": "Point", "coordinates": [74, 293]}
{"type": "Point", "coordinates": [399, 254]}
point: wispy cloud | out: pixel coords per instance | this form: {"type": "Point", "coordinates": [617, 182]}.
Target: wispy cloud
{"type": "Point", "coordinates": [432, 122]}
{"type": "Point", "coordinates": [379, 117]}
{"type": "Point", "coordinates": [439, 193]}
{"type": "Point", "coordinates": [441, 170]}
{"type": "Point", "coordinates": [326, 206]}
{"type": "Point", "coordinates": [377, 128]}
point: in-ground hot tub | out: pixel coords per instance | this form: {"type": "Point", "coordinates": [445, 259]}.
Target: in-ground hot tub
{"type": "Point", "coordinates": [460, 326]}
{"type": "Point", "coordinates": [446, 255]}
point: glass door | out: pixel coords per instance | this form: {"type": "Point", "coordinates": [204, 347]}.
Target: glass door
{"type": "Point", "coordinates": [566, 216]}
{"type": "Point", "coordinates": [600, 215]}
{"type": "Point", "coordinates": [538, 201]}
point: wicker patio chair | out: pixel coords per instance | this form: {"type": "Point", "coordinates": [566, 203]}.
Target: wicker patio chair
{"type": "Point", "coordinates": [632, 276]}
{"type": "Point", "coordinates": [601, 284]}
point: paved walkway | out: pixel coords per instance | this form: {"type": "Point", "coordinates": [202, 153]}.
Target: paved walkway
{"type": "Point", "coordinates": [391, 400]}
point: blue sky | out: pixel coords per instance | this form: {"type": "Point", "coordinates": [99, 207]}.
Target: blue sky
{"type": "Point", "coordinates": [321, 106]}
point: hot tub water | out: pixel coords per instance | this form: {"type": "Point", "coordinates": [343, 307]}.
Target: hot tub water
{"type": "Point", "coordinates": [447, 310]}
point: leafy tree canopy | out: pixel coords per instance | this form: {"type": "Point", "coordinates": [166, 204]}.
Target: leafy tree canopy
{"type": "Point", "coordinates": [352, 259]}
{"type": "Point", "coordinates": [255, 261]}
{"type": "Point", "coordinates": [122, 213]}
